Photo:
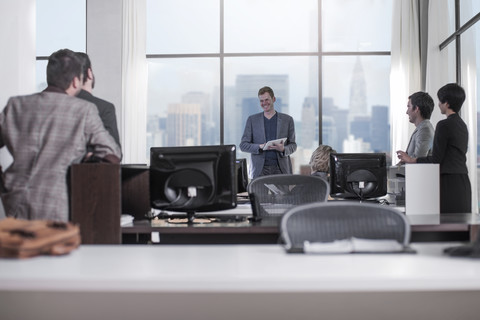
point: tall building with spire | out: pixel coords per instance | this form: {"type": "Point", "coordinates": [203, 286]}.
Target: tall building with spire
{"type": "Point", "coordinates": [358, 92]}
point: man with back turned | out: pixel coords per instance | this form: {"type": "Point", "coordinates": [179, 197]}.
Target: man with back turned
{"type": "Point", "coordinates": [45, 133]}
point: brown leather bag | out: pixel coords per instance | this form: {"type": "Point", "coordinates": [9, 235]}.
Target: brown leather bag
{"type": "Point", "coordinates": [28, 238]}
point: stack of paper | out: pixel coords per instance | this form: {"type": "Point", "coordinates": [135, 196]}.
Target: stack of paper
{"type": "Point", "coordinates": [353, 245]}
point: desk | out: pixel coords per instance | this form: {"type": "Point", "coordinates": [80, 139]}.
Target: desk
{"type": "Point", "coordinates": [239, 282]}
{"type": "Point", "coordinates": [446, 227]}
{"type": "Point", "coordinates": [242, 232]}
{"type": "Point", "coordinates": [98, 217]}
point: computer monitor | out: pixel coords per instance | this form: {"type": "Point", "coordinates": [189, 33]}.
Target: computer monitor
{"type": "Point", "coordinates": [242, 175]}
{"type": "Point", "coordinates": [193, 179]}
{"type": "Point", "coordinates": [358, 175]}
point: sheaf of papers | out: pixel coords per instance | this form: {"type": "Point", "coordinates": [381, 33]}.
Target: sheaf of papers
{"type": "Point", "coordinates": [272, 142]}
{"type": "Point", "coordinates": [126, 219]}
{"type": "Point", "coordinates": [353, 245]}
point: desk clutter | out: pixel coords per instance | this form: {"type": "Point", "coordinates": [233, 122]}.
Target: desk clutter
{"type": "Point", "coordinates": [28, 238]}
{"type": "Point", "coordinates": [233, 215]}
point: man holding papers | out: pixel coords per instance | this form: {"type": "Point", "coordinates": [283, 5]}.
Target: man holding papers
{"type": "Point", "coordinates": [270, 138]}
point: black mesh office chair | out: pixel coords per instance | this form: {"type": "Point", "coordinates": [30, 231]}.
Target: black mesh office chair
{"type": "Point", "coordinates": [273, 195]}
{"type": "Point", "coordinates": [328, 222]}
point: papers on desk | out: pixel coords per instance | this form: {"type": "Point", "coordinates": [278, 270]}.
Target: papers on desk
{"type": "Point", "coordinates": [126, 219]}
{"type": "Point", "coordinates": [353, 245]}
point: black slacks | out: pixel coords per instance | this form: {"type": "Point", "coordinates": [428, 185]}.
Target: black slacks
{"type": "Point", "coordinates": [455, 193]}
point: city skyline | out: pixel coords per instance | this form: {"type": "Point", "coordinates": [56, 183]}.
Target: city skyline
{"type": "Point", "coordinates": [346, 130]}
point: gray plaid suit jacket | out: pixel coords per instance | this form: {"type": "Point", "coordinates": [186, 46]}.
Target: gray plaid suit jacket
{"type": "Point", "coordinates": [45, 133]}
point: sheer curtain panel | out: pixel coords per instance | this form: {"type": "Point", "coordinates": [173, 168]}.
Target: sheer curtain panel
{"type": "Point", "coordinates": [405, 75]}
{"type": "Point", "coordinates": [134, 82]}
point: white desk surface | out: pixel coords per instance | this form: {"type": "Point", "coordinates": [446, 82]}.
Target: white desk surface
{"type": "Point", "coordinates": [238, 268]}
{"type": "Point", "coordinates": [238, 282]}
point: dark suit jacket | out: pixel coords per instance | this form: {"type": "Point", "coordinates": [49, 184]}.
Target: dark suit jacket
{"type": "Point", "coordinates": [106, 111]}
{"type": "Point", "coordinates": [254, 135]}
{"type": "Point", "coordinates": [450, 144]}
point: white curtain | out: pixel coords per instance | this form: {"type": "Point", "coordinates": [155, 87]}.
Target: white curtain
{"type": "Point", "coordinates": [17, 56]}
{"type": "Point", "coordinates": [441, 69]}
{"type": "Point", "coordinates": [134, 82]}
{"type": "Point", "coordinates": [440, 64]}
{"type": "Point", "coordinates": [405, 72]}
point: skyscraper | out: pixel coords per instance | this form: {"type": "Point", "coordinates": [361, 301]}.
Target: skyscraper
{"type": "Point", "coordinates": [184, 124]}
{"type": "Point", "coordinates": [329, 132]}
{"type": "Point", "coordinates": [360, 128]}
{"type": "Point", "coordinates": [358, 95]}
{"type": "Point", "coordinates": [308, 136]}
{"type": "Point", "coordinates": [335, 124]}
{"type": "Point", "coordinates": [209, 118]}
{"type": "Point", "coordinates": [380, 129]}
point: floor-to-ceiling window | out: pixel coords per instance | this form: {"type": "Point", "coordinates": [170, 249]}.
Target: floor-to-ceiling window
{"type": "Point", "coordinates": [328, 62]}
{"type": "Point", "coordinates": [60, 24]}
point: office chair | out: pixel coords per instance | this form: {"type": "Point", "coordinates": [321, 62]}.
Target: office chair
{"type": "Point", "coordinates": [273, 195]}
{"type": "Point", "coordinates": [328, 222]}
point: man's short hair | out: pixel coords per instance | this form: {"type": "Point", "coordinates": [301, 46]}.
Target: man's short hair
{"type": "Point", "coordinates": [321, 158]}
{"type": "Point", "coordinates": [266, 90]}
{"type": "Point", "coordinates": [424, 102]}
{"type": "Point", "coordinates": [453, 94]}
{"type": "Point", "coordinates": [86, 64]}
{"type": "Point", "coordinates": [63, 65]}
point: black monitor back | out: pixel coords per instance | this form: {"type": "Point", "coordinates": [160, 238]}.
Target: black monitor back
{"type": "Point", "coordinates": [348, 170]}
{"type": "Point", "coordinates": [193, 179]}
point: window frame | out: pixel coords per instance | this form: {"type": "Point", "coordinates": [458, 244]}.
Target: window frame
{"type": "Point", "coordinates": [319, 54]}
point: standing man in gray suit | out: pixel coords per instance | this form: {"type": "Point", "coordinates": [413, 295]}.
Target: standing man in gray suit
{"type": "Point", "coordinates": [106, 110]}
{"type": "Point", "coordinates": [45, 133]}
{"type": "Point", "coordinates": [419, 109]}
{"type": "Point", "coordinates": [263, 127]}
